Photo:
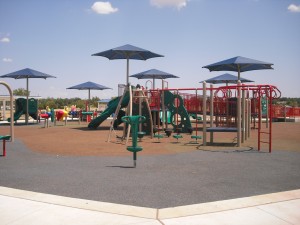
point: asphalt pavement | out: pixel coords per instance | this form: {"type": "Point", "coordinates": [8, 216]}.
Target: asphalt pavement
{"type": "Point", "coordinates": [158, 181]}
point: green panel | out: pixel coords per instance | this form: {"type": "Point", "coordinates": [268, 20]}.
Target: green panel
{"type": "Point", "coordinates": [184, 124]}
{"type": "Point", "coordinates": [264, 107]}
{"type": "Point", "coordinates": [21, 108]}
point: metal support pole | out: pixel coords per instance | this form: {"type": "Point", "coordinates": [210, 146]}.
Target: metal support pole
{"type": "Point", "coordinates": [239, 114]}
{"type": "Point", "coordinates": [243, 115]}
{"type": "Point", "coordinates": [259, 119]}
{"type": "Point", "coordinates": [164, 122]}
{"type": "Point", "coordinates": [249, 117]}
{"type": "Point", "coordinates": [4, 109]}
{"type": "Point", "coordinates": [140, 107]}
{"type": "Point", "coordinates": [27, 107]}
{"type": "Point", "coordinates": [270, 120]}
{"type": "Point", "coordinates": [134, 159]}
{"type": "Point", "coordinates": [246, 118]}
{"type": "Point", "coordinates": [204, 114]}
{"type": "Point", "coordinates": [127, 71]}
{"type": "Point", "coordinates": [211, 113]}
{"type": "Point", "coordinates": [89, 98]}
{"type": "Point", "coordinates": [267, 112]}
{"type": "Point", "coordinates": [130, 113]}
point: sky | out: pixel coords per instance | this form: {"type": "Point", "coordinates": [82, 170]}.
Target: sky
{"type": "Point", "coordinates": [58, 37]}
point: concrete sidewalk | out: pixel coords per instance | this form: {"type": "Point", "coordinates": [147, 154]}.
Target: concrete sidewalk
{"type": "Point", "coordinates": [26, 207]}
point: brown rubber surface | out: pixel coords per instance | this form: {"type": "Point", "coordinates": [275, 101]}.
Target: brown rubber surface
{"type": "Point", "coordinates": [77, 139]}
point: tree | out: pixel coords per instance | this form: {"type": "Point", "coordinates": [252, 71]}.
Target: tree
{"type": "Point", "coordinates": [94, 101]}
{"type": "Point", "coordinates": [21, 92]}
{"type": "Point", "coordinates": [80, 104]}
{"type": "Point", "coordinates": [51, 104]}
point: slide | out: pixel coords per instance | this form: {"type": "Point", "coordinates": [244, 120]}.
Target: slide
{"type": "Point", "coordinates": [21, 108]}
{"type": "Point", "coordinates": [17, 115]}
{"type": "Point", "coordinates": [111, 108]}
{"type": "Point", "coordinates": [34, 116]}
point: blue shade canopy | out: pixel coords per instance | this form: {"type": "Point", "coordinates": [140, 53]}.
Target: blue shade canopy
{"type": "Point", "coordinates": [27, 73]}
{"type": "Point", "coordinates": [239, 64]}
{"type": "Point", "coordinates": [153, 74]}
{"type": "Point", "coordinates": [104, 101]}
{"type": "Point", "coordinates": [89, 86]}
{"type": "Point", "coordinates": [226, 78]}
{"type": "Point", "coordinates": [128, 52]}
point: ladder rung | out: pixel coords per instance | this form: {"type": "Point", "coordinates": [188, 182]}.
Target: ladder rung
{"type": "Point", "coordinates": [264, 132]}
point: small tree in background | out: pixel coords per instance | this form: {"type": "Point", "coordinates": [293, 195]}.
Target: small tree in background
{"type": "Point", "coordinates": [21, 92]}
{"type": "Point", "coordinates": [94, 101]}
{"type": "Point", "coordinates": [80, 103]}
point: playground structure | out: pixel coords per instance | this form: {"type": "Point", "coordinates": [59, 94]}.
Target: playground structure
{"type": "Point", "coordinates": [227, 109]}
{"type": "Point", "coordinates": [285, 113]}
{"type": "Point", "coordinates": [61, 115]}
{"type": "Point", "coordinates": [21, 108]}
{"type": "Point", "coordinates": [64, 115]}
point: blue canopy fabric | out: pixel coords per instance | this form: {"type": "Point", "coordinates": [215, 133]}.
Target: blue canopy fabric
{"type": "Point", "coordinates": [239, 64]}
{"type": "Point", "coordinates": [128, 52]}
{"type": "Point", "coordinates": [26, 74]}
{"type": "Point", "coordinates": [153, 74]}
{"type": "Point", "coordinates": [104, 101]}
{"type": "Point", "coordinates": [226, 78]}
{"type": "Point", "coordinates": [89, 86]}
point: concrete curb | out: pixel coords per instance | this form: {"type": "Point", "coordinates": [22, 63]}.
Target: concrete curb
{"type": "Point", "coordinates": [152, 213]}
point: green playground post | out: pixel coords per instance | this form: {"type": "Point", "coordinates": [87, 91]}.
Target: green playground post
{"type": "Point", "coordinates": [134, 122]}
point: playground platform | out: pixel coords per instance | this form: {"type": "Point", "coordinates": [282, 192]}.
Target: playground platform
{"type": "Point", "coordinates": [71, 175]}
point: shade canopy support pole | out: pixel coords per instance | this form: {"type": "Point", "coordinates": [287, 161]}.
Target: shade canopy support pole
{"type": "Point", "coordinates": [27, 95]}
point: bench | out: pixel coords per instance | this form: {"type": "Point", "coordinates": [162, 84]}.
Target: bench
{"type": "Point", "coordinates": [4, 138]}
{"type": "Point", "coordinates": [220, 129]}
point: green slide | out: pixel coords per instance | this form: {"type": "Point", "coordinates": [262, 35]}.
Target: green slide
{"type": "Point", "coordinates": [17, 115]}
{"type": "Point", "coordinates": [111, 108]}
{"type": "Point", "coordinates": [21, 108]}
{"type": "Point", "coordinates": [33, 115]}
